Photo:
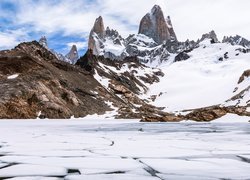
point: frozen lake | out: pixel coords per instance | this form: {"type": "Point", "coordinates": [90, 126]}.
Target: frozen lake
{"type": "Point", "coordinates": [123, 149]}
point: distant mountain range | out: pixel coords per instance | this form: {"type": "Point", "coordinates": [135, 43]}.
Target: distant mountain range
{"type": "Point", "coordinates": [149, 76]}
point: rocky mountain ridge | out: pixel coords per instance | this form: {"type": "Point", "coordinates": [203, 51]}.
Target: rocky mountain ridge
{"type": "Point", "coordinates": [70, 58]}
{"type": "Point", "coordinates": [155, 43]}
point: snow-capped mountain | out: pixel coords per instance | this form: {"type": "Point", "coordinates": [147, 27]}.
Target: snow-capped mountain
{"type": "Point", "coordinates": [154, 43]}
{"type": "Point", "coordinates": [208, 77]}
{"type": "Point", "coordinates": [156, 26]}
{"type": "Point", "coordinates": [236, 40]}
{"type": "Point", "coordinates": [73, 55]}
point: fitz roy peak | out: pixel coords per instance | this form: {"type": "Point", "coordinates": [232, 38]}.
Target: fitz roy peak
{"type": "Point", "coordinates": [155, 26]}
{"type": "Point", "coordinates": [156, 35]}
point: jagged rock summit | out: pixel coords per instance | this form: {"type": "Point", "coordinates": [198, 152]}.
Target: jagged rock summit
{"type": "Point", "coordinates": [73, 55]}
{"type": "Point", "coordinates": [97, 32]}
{"type": "Point", "coordinates": [154, 30]}
{"type": "Point", "coordinates": [43, 41]}
{"type": "Point", "coordinates": [211, 35]}
{"type": "Point", "coordinates": [155, 26]}
{"type": "Point", "coordinates": [155, 43]}
{"type": "Point", "coordinates": [236, 40]}
{"type": "Point", "coordinates": [70, 58]}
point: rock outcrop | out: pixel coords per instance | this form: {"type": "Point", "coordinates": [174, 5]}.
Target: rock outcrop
{"type": "Point", "coordinates": [237, 40]}
{"type": "Point", "coordinates": [43, 41]}
{"type": "Point", "coordinates": [246, 74]}
{"type": "Point", "coordinates": [182, 56]}
{"type": "Point", "coordinates": [154, 25]}
{"type": "Point", "coordinates": [97, 33]}
{"type": "Point", "coordinates": [211, 35]}
{"type": "Point", "coordinates": [155, 41]}
{"type": "Point", "coordinates": [73, 54]}
{"type": "Point", "coordinates": [45, 86]}
{"type": "Point", "coordinates": [171, 29]}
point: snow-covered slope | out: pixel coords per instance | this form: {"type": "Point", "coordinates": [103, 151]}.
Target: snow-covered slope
{"type": "Point", "coordinates": [209, 77]}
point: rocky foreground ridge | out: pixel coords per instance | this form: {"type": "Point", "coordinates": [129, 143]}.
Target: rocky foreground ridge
{"type": "Point", "coordinates": [34, 83]}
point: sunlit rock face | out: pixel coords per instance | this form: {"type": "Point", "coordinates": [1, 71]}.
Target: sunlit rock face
{"type": "Point", "coordinates": [155, 26]}
{"type": "Point", "coordinates": [97, 32]}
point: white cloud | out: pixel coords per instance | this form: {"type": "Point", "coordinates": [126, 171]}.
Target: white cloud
{"type": "Point", "coordinates": [190, 18]}
{"type": "Point", "coordinates": [79, 45]}
{"type": "Point", "coordinates": [9, 39]}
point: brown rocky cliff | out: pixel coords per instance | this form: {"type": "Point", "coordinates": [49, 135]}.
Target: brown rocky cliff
{"type": "Point", "coordinates": [47, 85]}
{"type": "Point", "coordinates": [154, 25]}
{"type": "Point", "coordinates": [98, 29]}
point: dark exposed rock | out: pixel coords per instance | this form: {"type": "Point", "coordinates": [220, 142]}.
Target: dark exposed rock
{"type": "Point", "coordinates": [245, 74]}
{"type": "Point", "coordinates": [243, 50]}
{"type": "Point", "coordinates": [88, 61]}
{"type": "Point", "coordinates": [182, 56]}
{"type": "Point", "coordinates": [211, 35]}
{"type": "Point", "coordinates": [236, 40]}
{"type": "Point", "coordinates": [226, 55]}
{"type": "Point", "coordinates": [167, 118]}
{"type": "Point", "coordinates": [214, 112]}
{"type": "Point", "coordinates": [221, 59]}
{"type": "Point", "coordinates": [206, 114]}
{"type": "Point", "coordinates": [171, 29]}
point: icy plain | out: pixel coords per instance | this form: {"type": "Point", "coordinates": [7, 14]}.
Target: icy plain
{"type": "Point", "coordinates": [124, 149]}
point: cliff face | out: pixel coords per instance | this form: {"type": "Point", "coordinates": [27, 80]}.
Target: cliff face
{"type": "Point", "coordinates": [171, 29]}
{"type": "Point", "coordinates": [154, 30]}
{"type": "Point", "coordinates": [154, 25]}
{"type": "Point", "coordinates": [33, 82]}
{"type": "Point", "coordinates": [97, 32]}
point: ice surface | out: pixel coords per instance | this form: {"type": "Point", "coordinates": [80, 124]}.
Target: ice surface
{"type": "Point", "coordinates": [124, 149]}
{"type": "Point", "coordinates": [111, 176]}
{"type": "Point", "coordinates": [2, 165]}
{"type": "Point", "coordinates": [31, 170]}
{"type": "Point", "coordinates": [35, 178]}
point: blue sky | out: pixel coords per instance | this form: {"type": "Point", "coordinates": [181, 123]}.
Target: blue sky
{"type": "Point", "coordinates": [67, 22]}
